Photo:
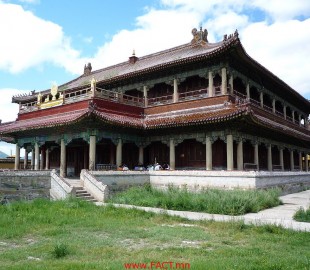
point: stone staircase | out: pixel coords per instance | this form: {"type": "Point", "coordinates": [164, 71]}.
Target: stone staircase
{"type": "Point", "coordinates": [80, 192]}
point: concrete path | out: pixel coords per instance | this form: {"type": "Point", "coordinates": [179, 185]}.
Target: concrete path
{"type": "Point", "coordinates": [281, 215]}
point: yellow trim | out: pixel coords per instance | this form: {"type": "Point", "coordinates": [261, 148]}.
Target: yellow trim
{"type": "Point", "coordinates": [51, 103]}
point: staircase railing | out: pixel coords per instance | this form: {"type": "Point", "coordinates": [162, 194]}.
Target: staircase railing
{"type": "Point", "coordinates": [96, 188]}
{"type": "Point", "coordinates": [60, 188]}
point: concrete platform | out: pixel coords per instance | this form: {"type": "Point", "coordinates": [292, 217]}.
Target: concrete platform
{"type": "Point", "coordinates": [287, 182]}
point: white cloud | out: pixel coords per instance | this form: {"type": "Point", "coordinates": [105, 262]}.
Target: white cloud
{"type": "Point", "coordinates": [88, 39]}
{"type": "Point", "coordinates": [28, 41]}
{"type": "Point", "coordinates": [226, 23]}
{"type": "Point", "coordinates": [283, 10]}
{"type": "Point", "coordinates": [276, 9]}
{"type": "Point", "coordinates": [8, 110]}
{"type": "Point", "coordinates": [280, 44]}
{"type": "Point", "coordinates": [30, 1]}
{"type": "Point", "coordinates": [152, 34]}
{"type": "Point", "coordinates": [283, 48]}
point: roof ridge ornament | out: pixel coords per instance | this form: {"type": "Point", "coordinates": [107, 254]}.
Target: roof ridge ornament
{"type": "Point", "coordinates": [234, 35]}
{"type": "Point", "coordinates": [54, 91]}
{"type": "Point", "coordinates": [199, 37]}
{"type": "Point", "coordinates": [133, 59]}
{"type": "Point", "coordinates": [87, 69]}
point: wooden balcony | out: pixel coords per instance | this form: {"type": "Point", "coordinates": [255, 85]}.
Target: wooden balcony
{"type": "Point", "coordinates": [198, 94]}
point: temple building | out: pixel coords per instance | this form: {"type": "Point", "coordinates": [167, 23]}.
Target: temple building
{"type": "Point", "coordinates": [197, 106]}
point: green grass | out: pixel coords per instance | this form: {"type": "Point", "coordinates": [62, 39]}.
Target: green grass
{"type": "Point", "coordinates": [60, 250]}
{"type": "Point", "coordinates": [94, 237]}
{"type": "Point", "coordinates": [302, 215]}
{"type": "Point", "coordinates": [78, 235]}
{"type": "Point", "coordinates": [230, 202]}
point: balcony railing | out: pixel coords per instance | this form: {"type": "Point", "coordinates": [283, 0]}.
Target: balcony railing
{"type": "Point", "coordinates": [279, 113]}
{"type": "Point", "coordinates": [196, 94]}
{"type": "Point", "coordinates": [86, 93]}
{"type": "Point", "coordinates": [77, 95]}
{"type": "Point", "coordinates": [28, 107]}
{"type": "Point", "coordinates": [160, 100]}
{"type": "Point", "coordinates": [267, 108]}
{"type": "Point", "coordinates": [217, 90]}
{"type": "Point", "coordinates": [119, 97]}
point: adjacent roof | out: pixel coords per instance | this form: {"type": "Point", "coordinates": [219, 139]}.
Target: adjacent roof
{"type": "Point", "coordinates": [174, 119]}
{"type": "Point", "coordinates": [197, 50]}
{"type": "Point", "coordinates": [202, 115]}
{"type": "Point", "coordinates": [189, 52]}
{"type": "Point", "coordinates": [184, 117]}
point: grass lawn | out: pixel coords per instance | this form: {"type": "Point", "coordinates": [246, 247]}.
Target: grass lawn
{"type": "Point", "coordinates": [214, 201]}
{"type": "Point", "coordinates": [78, 235]}
{"type": "Point", "coordinates": [302, 215]}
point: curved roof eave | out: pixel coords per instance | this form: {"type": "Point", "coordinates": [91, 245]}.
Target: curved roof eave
{"type": "Point", "coordinates": [267, 72]}
{"type": "Point", "coordinates": [287, 131]}
{"type": "Point", "coordinates": [204, 51]}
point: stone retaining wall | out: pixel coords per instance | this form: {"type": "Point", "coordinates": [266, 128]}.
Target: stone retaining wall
{"type": "Point", "coordinates": [28, 185]}
{"type": "Point", "coordinates": [288, 182]}
{"type": "Point", "coordinates": [121, 180]}
{"type": "Point", "coordinates": [24, 185]}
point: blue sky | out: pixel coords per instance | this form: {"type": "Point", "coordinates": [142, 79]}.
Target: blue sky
{"type": "Point", "coordinates": [88, 25]}
{"type": "Point", "coordinates": [49, 41]}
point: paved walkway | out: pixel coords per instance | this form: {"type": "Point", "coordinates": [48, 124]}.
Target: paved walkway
{"type": "Point", "coordinates": [281, 215]}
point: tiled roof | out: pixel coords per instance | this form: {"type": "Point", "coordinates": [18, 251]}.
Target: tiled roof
{"type": "Point", "coordinates": [183, 53]}
{"type": "Point", "coordinates": [174, 56]}
{"type": "Point", "coordinates": [203, 115]}
{"type": "Point", "coordinates": [69, 118]}
{"type": "Point", "coordinates": [278, 126]}
{"type": "Point", "coordinates": [177, 118]}
{"type": "Point", "coordinates": [42, 122]}
{"type": "Point", "coordinates": [122, 120]}
{"type": "Point", "coordinates": [6, 139]}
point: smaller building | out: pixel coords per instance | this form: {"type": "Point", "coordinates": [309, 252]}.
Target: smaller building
{"type": "Point", "coordinates": [9, 163]}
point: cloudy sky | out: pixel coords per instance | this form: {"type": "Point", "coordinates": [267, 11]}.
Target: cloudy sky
{"type": "Point", "coordinates": [49, 41]}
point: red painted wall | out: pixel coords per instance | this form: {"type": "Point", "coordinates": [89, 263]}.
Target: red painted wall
{"type": "Point", "coordinates": [118, 108]}
{"type": "Point", "coordinates": [102, 105]}
{"type": "Point", "coordinates": [55, 110]}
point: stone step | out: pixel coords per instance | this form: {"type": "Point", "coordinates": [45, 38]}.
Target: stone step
{"type": "Point", "coordinates": [81, 191]}
{"type": "Point", "coordinates": [74, 182]}
{"type": "Point", "coordinates": [92, 200]}
{"type": "Point", "coordinates": [88, 199]}
{"type": "Point", "coordinates": [84, 195]}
